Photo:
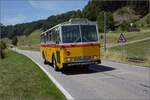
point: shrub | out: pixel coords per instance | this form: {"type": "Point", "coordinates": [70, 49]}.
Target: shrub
{"type": "Point", "coordinates": [14, 41]}
{"type": "Point", "coordinates": [2, 54]}
{"type": "Point", "coordinates": [124, 26]}
{"type": "Point", "coordinates": [109, 21]}
{"type": "Point", "coordinates": [2, 45]}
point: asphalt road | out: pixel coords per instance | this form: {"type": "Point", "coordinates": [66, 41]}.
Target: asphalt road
{"type": "Point", "coordinates": [107, 81]}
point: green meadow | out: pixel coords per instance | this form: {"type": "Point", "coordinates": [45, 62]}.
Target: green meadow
{"type": "Point", "coordinates": [22, 79]}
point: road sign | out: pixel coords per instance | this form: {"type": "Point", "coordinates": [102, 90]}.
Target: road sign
{"type": "Point", "coordinates": [122, 39]}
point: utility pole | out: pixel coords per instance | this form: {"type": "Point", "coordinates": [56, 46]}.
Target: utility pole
{"type": "Point", "coordinates": [104, 31]}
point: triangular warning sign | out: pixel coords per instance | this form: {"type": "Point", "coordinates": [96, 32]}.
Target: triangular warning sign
{"type": "Point", "coordinates": [121, 39]}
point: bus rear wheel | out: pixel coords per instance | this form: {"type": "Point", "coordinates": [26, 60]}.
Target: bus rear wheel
{"type": "Point", "coordinates": [54, 63]}
{"type": "Point", "coordinates": [45, 61]}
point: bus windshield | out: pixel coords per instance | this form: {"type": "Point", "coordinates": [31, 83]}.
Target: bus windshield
{"type": "Point", "coordinates": [89, 33]}
{"type": "Point", "coordinates": [71, 33]}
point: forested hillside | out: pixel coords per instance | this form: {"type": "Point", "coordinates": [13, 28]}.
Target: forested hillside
{"type": "Point", "coordinates": [127, 11]}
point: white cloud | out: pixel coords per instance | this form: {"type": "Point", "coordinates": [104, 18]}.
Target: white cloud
{"type": "Point", "coordinates": [48, 5]}
{"type": "Point", "coordinates": [15, 20]}
{"type": "Point", "coordinates": [41, 4]}
{"type": "Point", "coordinates": [57, 5]}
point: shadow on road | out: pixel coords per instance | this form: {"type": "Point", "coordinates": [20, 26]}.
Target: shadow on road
{"type": "Point", "coordinates": [91, 69]}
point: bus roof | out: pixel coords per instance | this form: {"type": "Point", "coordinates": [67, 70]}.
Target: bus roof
{"type": "Point", "coordinates": [79, 21]}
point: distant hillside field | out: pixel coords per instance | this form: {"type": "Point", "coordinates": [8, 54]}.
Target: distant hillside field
{"type": "Point", "coordinates": [30, 42]}
{"type": "Point", "coordinates": [144, 22]}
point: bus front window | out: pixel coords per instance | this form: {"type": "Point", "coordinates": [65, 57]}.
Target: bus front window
{"type": "Point", "coordinates": [89, 33]}
{"type": "Point", "coordinates": [71, 34]}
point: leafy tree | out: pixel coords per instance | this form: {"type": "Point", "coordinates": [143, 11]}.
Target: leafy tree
{"type": "Point", "coordinates": [91, 11]}
{"type": "Point", "coordinates": [148, 19]}
{"type": "Point", "coordinates": [124, 26]}
{"type": "Point", "coordinates": [2, 45]}
{"type": "Point", "coordinates": [100, 20]}
{"type": "Point", "coordinates": [109, 24]}
{"type": "Point", "coordinates": [2, 56]}
{"type": "Point", "coordinates": [14, 41]}
{"type": "Point", "coordinates": [77, 14]}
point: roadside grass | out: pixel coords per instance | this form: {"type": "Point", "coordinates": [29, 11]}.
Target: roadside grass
{"type": "Point", "coordinates": [21, 79]}
{"type": "Point", "coordinates": [30, 47]}
{"type": "Point", "coordinates": [140, 50]}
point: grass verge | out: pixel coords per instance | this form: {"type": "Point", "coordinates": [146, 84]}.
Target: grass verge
{"type": "Point", "coordinates": [140, 50]}
{"type": "Point", "coordinates": [21, 79]}
{"type": "Point", "coordinates": [112, 38]}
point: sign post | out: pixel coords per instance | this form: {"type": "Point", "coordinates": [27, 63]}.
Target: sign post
{"type": "Point", "coordinates": [121, 41]}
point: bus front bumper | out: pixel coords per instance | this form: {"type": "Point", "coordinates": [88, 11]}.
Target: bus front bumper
{"type": "Point", "coordinates": [82, 63]}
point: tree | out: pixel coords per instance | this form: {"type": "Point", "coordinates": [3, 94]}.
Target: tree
{"type": "Point", "coordinates": [14, 41]}
{"type": "Point", "coordinates": [109, 21]}
{"type": "Point", "coordinates": [124, 26]}
{"type": "Point", "coordinates": [2, 54]}
{"type": "Point", "coordinates": [91, 10]}
{"type": "Point", "coordinates": [100, 20]}
{"type": "Point", "coordinates": [77, 14]}
{"type": "Point", "coordinates": [2, 47]}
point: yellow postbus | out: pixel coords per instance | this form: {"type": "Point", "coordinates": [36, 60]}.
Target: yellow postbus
{"type": "Point", "coordinates": [75, 42]}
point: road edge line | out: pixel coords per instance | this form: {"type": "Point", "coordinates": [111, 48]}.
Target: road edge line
{"type": "Point", "coordinates": [60, 87]}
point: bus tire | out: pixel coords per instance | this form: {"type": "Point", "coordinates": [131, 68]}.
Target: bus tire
{"type": "Point", "coordinates": [45, 61]}
{"type": "Point", "coordinates": [54, 63]}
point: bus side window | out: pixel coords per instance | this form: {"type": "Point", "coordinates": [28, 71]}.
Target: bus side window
{"type": "Point", "coordinates": [57, 36]}
{"type": "Point", "coordinates": [53, 36]}
{"type": "Point", "coordinates": [42, 38]}
{"type": "Point", "coordinates": [45, 38]}
{"type": "Point", "coordinates": [49, 36]}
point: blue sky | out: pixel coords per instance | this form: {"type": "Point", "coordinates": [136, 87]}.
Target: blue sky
{"type": "Point", "coordinates": [21, 11]}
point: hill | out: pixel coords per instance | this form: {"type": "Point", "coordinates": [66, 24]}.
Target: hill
{"type": "Point", "coordinates": [30, 42]}
{"type": "Point", "coordinates": [91, 11]}
{"type": "Point", "coordinates": [144, 22]}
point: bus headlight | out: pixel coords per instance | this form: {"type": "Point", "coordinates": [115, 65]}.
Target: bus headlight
{"type": "Point", "coordinates": [68, 53]}
{"type": "Point", "coordinates": [96, 57]}
{"type": "Point", "coordinates": [68, 59]}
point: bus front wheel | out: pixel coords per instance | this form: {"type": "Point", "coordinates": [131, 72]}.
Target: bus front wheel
{"type": "Point", "coordinates": [55, 64]}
